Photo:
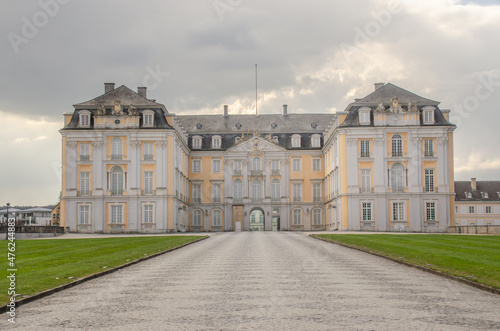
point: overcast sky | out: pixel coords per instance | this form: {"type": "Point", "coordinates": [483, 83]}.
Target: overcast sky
{"type": "Point", "coordinates": [196, 56]}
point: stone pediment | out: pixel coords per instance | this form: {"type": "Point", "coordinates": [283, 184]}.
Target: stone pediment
{"type": "Point", "coordinates": [256, 144]}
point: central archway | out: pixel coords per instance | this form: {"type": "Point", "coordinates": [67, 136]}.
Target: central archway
{"type": "Point", "coordinates": [257, 220]}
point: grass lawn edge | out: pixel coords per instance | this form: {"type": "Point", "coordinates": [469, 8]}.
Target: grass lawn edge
{"type": "Point", "coordinates": [429, 270]}
{"type": "Point", "coordinates": [48, 292]}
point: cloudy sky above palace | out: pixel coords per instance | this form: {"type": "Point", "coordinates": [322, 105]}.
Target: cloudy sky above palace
{"type": "Point", "coordinates": [196, 56]}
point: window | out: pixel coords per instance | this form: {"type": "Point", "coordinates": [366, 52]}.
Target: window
{"type": "Point", "coordinates": [297, 192]}
{"type": "Point", "coordinates": [216, 142]}
{"type": "Point", "coordinates": [365, 148]}
{"type": "Point", "coordinates": [316, 140]}
{"type": "Point", "coordinates": [487, 209]}
{"type": "Point", "coordinates": [197, 218]}
{"type": "Point", "coordinates": [317, 192]}
{"type": "Point", "coordinates": [116, 216]}
{"type": "Point", "coordinates": [316, 164]}
{"type": "Point", "coordinates": [430, 211]}
{"type": "Point", "coordinates": [317, 217]}
{"type": "Point", "coordinates": [148, 216]}
{"type": "Point", "coordinates": [84, 151]}
{"type": "Point", "coordinates": [84, 183]}
{"type": "Point", "coordinates": [84, 214]}
{"type": "Point", "coordinates": [428, 114]}
{"type": "Point", "coordinates": [397, 145]}
{"type": "Point", "coordinates": [429, 180]}
{"type": "Point", "coordinates": [296, 141]}
{"type": "Point", "coordinates": [238, 190]}
{"type": "Point", "coordinates": [364, 116]}
{"type": "Point", "coordinates": [472, 209]}
{"type": "Point", "coordinates": [257, 190]}
{"type": "Point", "coordinates": [456, 209]}
{"type": "Point", "coordinates": [256, 165]}
{"type": "Point", "coordinates": [296, 164]}
{"type": "Point", "coordinates": [216, 218]}
{"type": "Point", "coordinates": [148, 151]}
{"type": "Point", "coordinates": [84, 118]}
{"type": "Point", "coordinates": [117, 180]}
{"type": "Point", "coordinates": [485, 195]}
{"type": "Point", "coordinates": [429, 147]}
{"type": "Point", "coordinates": [197, 166]}
{"type": "Point", "coordinates": [398, 211]}
{"type": "Point", "coordinates": [197, 142]}
{"type": "Point", "coordinates": [366, 180]}
{"type": "Point", "coordinates": [468, 195]}
{"type": "Point", "coordinates": [116, 148]}
{"type": "Point", "coordinates": [366, 210]}
{"type": "Point", "coordinates": [216, 193]}
{"type": "Point", "coordinates": [397, 177]}
{"type": "Point", "coordinates": [215, 165]}
{"type": "Point", "coordinates": [297, 217]}
{"type": "Point", "coordinates": [237, 167]}
{"type": "Point", "coordinates": [148, 118]}
{"type": "Point", "coordinates": [148, 182]}
{"type": "Point", "coordinates": [196, 193]}
{"type": "Point", "coordinates": [275, 167]}
{"type": "Point", "coordinates": [275, 190]}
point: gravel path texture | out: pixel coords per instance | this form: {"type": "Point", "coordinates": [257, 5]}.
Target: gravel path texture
{"type": "Point", "coordinates": [265, 281]}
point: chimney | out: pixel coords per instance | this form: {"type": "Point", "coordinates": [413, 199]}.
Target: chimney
{"type": "Point", "coordinates": [108, 87]}
{"type": "Point", "coordinates": [378, 85]}
{"type": "Point", "coordinates": [225, 111]}
{"type": "Point", "coordinates": [473, 184]}
{"type": "Point", "coordinates": [285, 110]}
{"type": "Point", "coordinates": [142, 91]}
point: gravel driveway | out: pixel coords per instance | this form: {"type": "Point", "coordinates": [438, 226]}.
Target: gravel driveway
{"type": "Point", "coordinates": [265, 281]}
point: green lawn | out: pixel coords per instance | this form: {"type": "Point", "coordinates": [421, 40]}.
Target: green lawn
{"type": "Point", "coordinates": [48, 263]}
{"type": "Point", "coordinates": [476, 258]}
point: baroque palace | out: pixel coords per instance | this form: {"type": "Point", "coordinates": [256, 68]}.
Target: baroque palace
{"type": "Point", "coordinates": [383, 164]}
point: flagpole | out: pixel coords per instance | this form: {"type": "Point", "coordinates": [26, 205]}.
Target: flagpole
{"type": "Point", "coordinates": [256, 113]}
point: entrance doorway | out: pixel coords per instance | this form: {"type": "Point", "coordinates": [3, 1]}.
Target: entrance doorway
{"type": "Point", "coordinates": [257, 220]}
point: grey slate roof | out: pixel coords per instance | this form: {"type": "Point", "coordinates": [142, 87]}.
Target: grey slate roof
{"type": "Point", "coordinates": [490, 187]}
{"type": "Point", "coordinates": [122, 93]}
{"type": "Point", "coordinates": [291, 123]}
{"type": "Point", "coordinates": [389, 91]}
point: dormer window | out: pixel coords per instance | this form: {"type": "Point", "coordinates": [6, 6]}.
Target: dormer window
{"type": "Point", "coordinates": [197, 142]}
{"type": "Point", "coordinates": [485, 195]}
{"type": "Point", "coordinates": [316, 140]}
{"type": "Point", "coordinates": [296, 140]}
{"type": "Point", "coordinates": [216, 142]}
{"type": "Point", "coordinates": [428, 115]}
{"type": "Point", "coordinates": [84, 118]}
{"type": "Point", "coordinates": [468, 195]}
{"type": "Point", "coordinates": [364, 116]}
{"type": "Point", "coordinates": [148, 118]}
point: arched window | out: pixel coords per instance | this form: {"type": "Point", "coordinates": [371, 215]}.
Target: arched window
{"type": "Point", "coordinates": [238, 190]}
{"type": "Point", "coordinates": [116, 148]}
{"type": "Point", "coordinates": [397, 177]}
{"type": "Point", "coordinates": [256, 190]}
{"type": "Point", "coordinates": [197, 217]}
{"type": "Point", "coordinates": [216, 218]}
{"type": "Point", "coordinates": [117, 179]}
{"type": "Point", "coordinates": [275, 190]}
{"type": "Point", "coordinates": [397, 145]}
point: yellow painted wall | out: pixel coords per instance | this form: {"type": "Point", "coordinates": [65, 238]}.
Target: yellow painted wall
{"type": "Point", "coordinates": [67, 118]}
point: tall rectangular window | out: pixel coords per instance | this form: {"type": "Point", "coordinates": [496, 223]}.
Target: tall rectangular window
{"type": "Point", "coordinates": [296, 164]}
{"type": "Point", "coordinates": [275, 167]}
{"type": "Point", "coordinates": [429, 180]}
{"type": "Point", "coordinates": [216, 218]}
{"type": "Point", "coordinates": [84, 183]}
{"type": "Point", "coordinates": [398, 211]}
{"type": "Point", "coordinates": [84, 151]}
{"type": "Point", "coordinates": [197, 193]}
{"type": "Point", "coordinates": [148, 213]}
{"type": "Point", "coordinates": [116, 214]}
{"type": "Point", "coordinates": [430, 211]}
{"type": "Point", "coordinates": [196, 143]}
{"type": "Point", "coordinates": [215, 165]}
{"type": "Point", "coordinates": [84, 214]}
{"type": "Point", "coordinates": [428, 147]}
{"type": "Point", "coordinates": [488, 209]}
{"type": "Point", "coordinates": [366, 209]}
{"type": "Point", "coordinates": [275, 190]}
{"type": "Point", "coordinates": [365, 148]}
{"type": "Point", "coordinates": [237, 167]}
{"type": "Point", "coordinates": [148, 151]}
{"type": "Point", "coordinates": [366, 180]}
{"type": "Point", "coordinates": [297, 217]}
{"type": "Point", "coordinates": [148, 120]}
{"type": "Point", "coordinates": [472, 209]}
{"type": "Point", "coordinates": [216, 193]}
{"type": "Point", "coordinates": [297, 192]}
{"type": "Point", "coordinates": [316, 192]}
{"type": "Point", "coordinates": [148, 182]}
{"type": "Point", "coordinates": [197, 166]}
{"type": "Point", "coordinates": [316, 164]}
{"type": "Point", "coordinates": [197, 218]}
{"type": "Point", "coordinates": [238, 190]}
{"type": "Point", "coordinates": [317, 217]}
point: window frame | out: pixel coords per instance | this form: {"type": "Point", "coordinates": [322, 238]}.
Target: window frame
{"type": "Point", "coordinates": [364, 148]}
{"type": "Point", "coordinates": [488, 210]}
{"type": "Point", "coordinates": [148, 216]}
{"type": "Point", "coordinates": [397, 145]}
{"type": "Point", "coordinates": [298, 162]}
{"type": "Point", "coordinates": [197, 142]}
{"type": "Point", "coordinates": [399, 211]}
{"type": "Point", "coordinates": [366, 180]}
{"type": "Point", "coordinates": [149, 150]}
{"type": "Point", "coordinates": [296, 141]}
{"type": "Point", "coordinates": [316, 164]}
{"type": "Point", "coordinates": [116, 148]}
{"type": "Point", "coordinates": [238, 190]}
{"type": "Point", "coordinates": [216, 217]}
{"type": "Point", "coordinates": [85, 220]}
{"type": "Point", "coordinates": [197, 212]}
{"type": "Point", "coordinates": [113, 217]}
{"type": "Point", "coordinates": [430, 211]}
{"type": "Point", "coordinates": [84, 118]}
{"type": "Point", "coordinates": [317, 218]}
{"type": "Point", "coordinates": [429, 147]}
{"type": "Point", "coordinates": [429, 180]}
{"type": "Point", "coordinates": [216, 166]}
{"type": "Point", "coordinates": [148, 119]}
{"type": "Point", "coordinates": [315, 141]}
{"type": "Point", "coordinates": [216, 193]}
{"type": "Point", "coordinates": [366, 211]}
{"type": "Point", "coordinates": [297, 192]}
{"type": "Point", "coordinates": [84, 152]}
{"type": "Point", "coordinates": [84, 183]}
{"type": "Point", "coordinates": [148, 182]}
{"type": "Point", "coordinates": [216, 142]}
{"type": "Point", "coordinates": [275, 190]}
{"type": "Point", "coordinates": [196, 192]}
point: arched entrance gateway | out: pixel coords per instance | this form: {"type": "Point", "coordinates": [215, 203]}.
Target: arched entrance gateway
{"type": "Point", "coordinates": [257, 220]}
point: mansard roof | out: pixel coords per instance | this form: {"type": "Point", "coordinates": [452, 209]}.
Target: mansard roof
{"type": "Point", "coordinates": [386, 92]}
{"type": "Point", "coordinates": [491, 187]}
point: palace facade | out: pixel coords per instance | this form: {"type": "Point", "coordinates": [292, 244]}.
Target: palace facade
{"type": "Point", "coordinates": [383, 164]}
